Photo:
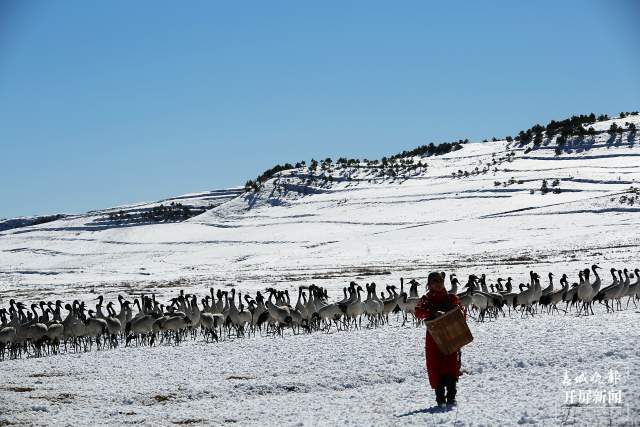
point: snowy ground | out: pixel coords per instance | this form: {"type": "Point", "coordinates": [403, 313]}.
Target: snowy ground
{"type": "Point", "coordinates": [515, 371]}
{"type": "Point", "coordinates": [366, 230]}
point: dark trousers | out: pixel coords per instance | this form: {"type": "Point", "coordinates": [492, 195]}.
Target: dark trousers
{"type": "Point", "coordinates": [449, 382]}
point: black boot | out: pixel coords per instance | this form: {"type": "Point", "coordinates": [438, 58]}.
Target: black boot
{"type": "Point", "coordinates": [440, 398]}
{"type": "Point", "coordinates": [450, 383]}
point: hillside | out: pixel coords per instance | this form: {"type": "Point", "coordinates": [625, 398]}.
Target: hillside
{"type": "Point", "coordinates": [476, 207]}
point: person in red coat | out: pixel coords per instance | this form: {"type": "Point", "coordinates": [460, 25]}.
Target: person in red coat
{"type": "Point", "coordinates": [443, 369]}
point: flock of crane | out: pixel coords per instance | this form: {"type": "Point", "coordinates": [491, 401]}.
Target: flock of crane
{"type": "Point", "coordinates": [46, 329]}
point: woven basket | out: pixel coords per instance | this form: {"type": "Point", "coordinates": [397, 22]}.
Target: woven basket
{"type": "Point", "coordinates": [450, 331]}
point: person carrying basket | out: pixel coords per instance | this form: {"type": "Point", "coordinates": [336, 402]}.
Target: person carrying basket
{"type": "Point", "coordinates": [443, 369]}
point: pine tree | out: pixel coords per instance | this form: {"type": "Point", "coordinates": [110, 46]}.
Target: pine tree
{"type": "Point", "coordinates": [537, 140]}
{"type": "Point", "coordinates": [544, 188]}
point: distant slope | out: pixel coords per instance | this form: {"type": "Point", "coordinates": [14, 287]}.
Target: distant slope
{"type": "Point", "coordinates": [8, 224]}
{"type": "Point", "coordinates": [194, 204]}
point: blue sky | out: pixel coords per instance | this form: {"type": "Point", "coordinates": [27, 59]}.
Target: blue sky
{"type": "Point", "coordinates": [106, 103]}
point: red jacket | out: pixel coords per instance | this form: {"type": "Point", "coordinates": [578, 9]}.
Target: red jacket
{"type": "Point", "coordinates": [438, 364]}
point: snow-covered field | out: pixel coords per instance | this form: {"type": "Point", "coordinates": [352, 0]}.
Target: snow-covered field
{"type": "Point", "coordinates": [515, 372]}
{"type": "Point", "coordinates": [365, 229]}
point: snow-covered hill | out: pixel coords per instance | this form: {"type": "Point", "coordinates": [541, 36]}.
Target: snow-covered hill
{"type": "Point", "coordinates": [479, 207]}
